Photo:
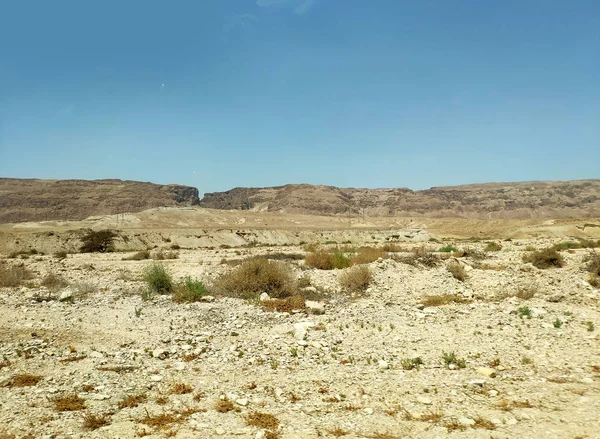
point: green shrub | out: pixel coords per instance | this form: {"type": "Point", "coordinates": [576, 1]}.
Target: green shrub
{"type": "Point", "coordinates": [525, 311]}
{"type": "Point", "coordinates": [450, 358]}
{"type": "Point", "coordinates": [356, 279]}
{"type": "Point", "coordinates": [158, 279]}
{"type": "Point", "coordinates": [366, 255]}
{"type": "Point", "coordinates": [411, 363]}
{"type": "Point", "coordinates": [255, 276]}
{"type": "Point", "coordinates": [190, 290]}
{"type": "Point", "coordinates": [565, 245]}
{"type": "Point", "coordinates": [54, 282]}
{"type": "Point", "coordinates": [448, 249]}
{"type": "Point", "coordinates": [545, 258]}
{"type": "Point", "coordinates": [101, 241]}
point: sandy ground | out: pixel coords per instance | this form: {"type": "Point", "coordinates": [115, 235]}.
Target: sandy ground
{"type": "Point", "coordinates": [339, 374]}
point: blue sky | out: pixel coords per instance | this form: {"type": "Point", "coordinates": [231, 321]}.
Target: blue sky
{"type": "Point", "coordinates": [372, 93]}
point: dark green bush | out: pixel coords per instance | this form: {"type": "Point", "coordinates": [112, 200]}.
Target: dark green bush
{"type": "Point", "coordinates": [158, 279]}
{"type": "Point", "coordinates": [101, 241]}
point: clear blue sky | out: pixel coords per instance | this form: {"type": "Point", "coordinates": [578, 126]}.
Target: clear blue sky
{"type": "Point", "coordinates": [369, 93]}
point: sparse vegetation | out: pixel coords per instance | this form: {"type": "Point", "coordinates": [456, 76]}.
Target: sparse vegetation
{"type": "Point", "coordinates": [557, 323]}
{"type": "Point", "coordinates": [411, 363]}
{"type": "Point", "coordinates": [223, 405]}
{"type": "Point", "coordinates": [255, 276]}
{"type": "Point", "coordinates": [133, 401]}
{"type": "Point", "coordinates": [284, 305]}
{"type": "Point", "coordinates": [138, 256]}
{"type": "Point", "coordinates": [593, 267]}
{"type": "Point", "coordinates": [54, 282]}
{"type": "Point", "coordinates": [101, 241]}
{"type": "Point", "coordinates": [366, 255]}
{"type": "Point", "coordinates": [356, 279]}
{"type": "Point", "coordinates": [545, 258]}
{"type": "Point", "coordinates": [24, 380]}
{"type": "Point", "coordinates": [525, 311]}
{"type": "Point", "coordinates": [158, 279]}
{"type": "Point", "coordinates": [447, 249]}
{"type": "Point", "coordinates": [61, 254]}
{"type": "Point", "coordinates": [262, 420]}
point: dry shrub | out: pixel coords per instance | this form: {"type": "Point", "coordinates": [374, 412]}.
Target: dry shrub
{"type": "Point", "coordinates": [24, 380]}
{"type": "Point", "coordinates": [54, 282]}
{"type": "Point", "coordinates": [545, 258]}
{"type": "Point", "coordinates": [161, 255]}
{"type": "Point", "coordinates": [356, 279]}
{"type": "Point", "coordinates": [393, 248]}
{"type": "Point", "coordinates": [69, 403]}
{"type": "Point", "coordinates": [443, 299]}
{"type": "Point", "coordinates": [13, 275]}
{"type": "Point", "coordinates": [139, 256]}
{"type": "Point", "coordinates": [94, 422]}
{"type": "Point", "coordinates": [326, 260]}
{"type": "Point", "coordinates": [255, 276]}
{"type": "Point", "coordinates": [284, 305]}
{"type": "Point", "coordinates": [484, 423]}
{"type": "Point", "coordinates": [337, 432]}
{"type": "Point", "coordinates": [61, 254]}
{"type": "Point", "coordinates": [181, 389]}
{"type": "Point", "coordinates": [366, 255]}
{"type": "Point", "coordinates": [280, 256]}
{"type": "Point", "coordinates": [223, 405]}
{"type": "Point", "coordinates": [457, 271]}
{"type": "Point", "coordinates": [262, 420]}
{"type": "Point", "coordinates": [133, 401]}
{"type": "Point", "coordinates": [492, 247]}
{"type": "Point", "coordinates": [421, 255]}
{"type": "Point", "coordinates": [164, 420]}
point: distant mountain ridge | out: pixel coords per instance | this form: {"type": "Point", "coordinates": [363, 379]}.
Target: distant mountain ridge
{"type": "Point", "coordinates": [537, 199]}
{"type": "Point", "coordinates": [38, 200]}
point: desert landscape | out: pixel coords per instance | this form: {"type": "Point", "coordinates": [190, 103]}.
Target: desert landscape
{"type": "Point", "coordinates": [189, 321]}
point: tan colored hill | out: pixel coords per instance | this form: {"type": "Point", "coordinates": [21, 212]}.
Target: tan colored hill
{"type": "Point", "coordinates": [38, 200]}
{"type": "Point", "coordinates": [560, 199]}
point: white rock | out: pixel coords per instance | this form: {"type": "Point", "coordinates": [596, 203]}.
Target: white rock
{"type": "Point", "coordinates": [156, 378]}
{"type": "Point", "coordinates": [264, 297]}
{"type": "Point", "coordinates": [369, 411]}
{"type": "Point", "coordinates": [65, 296]}
{"type": "Point", "coordinates": [487, 372]}
{"type": "Point", "coordinates": [383, 365]}
{"type": "Point", "coordinates": [466, 421]}
{"type": "Point", "coordinates": [424, 400]}
{"type": "Point", "coordinates": [242, 401]}
{"type": "Point", "coordinates": [313, 307]}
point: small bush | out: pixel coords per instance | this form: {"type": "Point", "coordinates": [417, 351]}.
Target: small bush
{"type": "Point", "coordinates": [13, 275]}
{"type": "Point", "coordinates": [568, 245]}
{"type": "Point", "coordinates": [451, 359]}
{"type": "Point", "coordinates": [366, 255]}
{"type": "Point", "coordinates": [223, 405]}
{"type": "Point", "coordinates": [557, 323]}
{"type": "Point", "coordinates": [158, 279]}
{"type": "Point", "coordinates": [61, 254]}
{"type": "Point", "coordinates": [411, 363]}
{"type": "Point", "coordinates": [545, 258]}
{"type": "Point", "coordinates": [162, 255]}
{"type": "Point", "coordinates": [393, 248]}
{"type": "Point", "coordinates": [457, 271]}
{"type": "Point", "coordinates": [54, 282]}
{"type": "Point", "coordinates": [138, 256]}
{"type": "Point", "coordinates": [262, 420]}
{"type": "Point", "coordinates": [190, 290]}
{"type": "Point", "coordinates": [324, 260]}
{"type": "Point", "coordinates": [284, 305]}
{"type": "Point", "coordinates": [101, 241]}
{"type": "Point", "coordinates": [133, 401]}
{"type": "Point", "coordinates": [492, 247]}
{"type": "Point", "coordinates": [24, 380]}
{"type": "Point", "coordinates": [448, 249]}
{"type": "Point", "coordinates": [356, 279]}
{"type": "Point", "coordinates": [420, 255]}
{"type": "Point", "coordinates": [525, 311]}
{"type": "Point", "coordinates": [255, 276]}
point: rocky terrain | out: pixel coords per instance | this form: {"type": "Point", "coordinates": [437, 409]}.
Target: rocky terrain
{"type": "Point", "coordinates": [568, 199]}
{"type": "Point", "coordinates": [510, 350]}
{"type": "Point", "coordinates": [39, 200]}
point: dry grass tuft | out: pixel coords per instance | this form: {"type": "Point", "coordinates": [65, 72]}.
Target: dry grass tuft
{"type": "Point", "coordinates": [54, 282]}
{"type": "Point", "coordinates": [116, 369]}
{"type": "Point", "coordinates": [181, 389]}
{"type": "Point", "coordinates": [262, 420]}
{"type": "Point", "coordinates": [337, 432]}
{"type": "Point", "coordinates": [444, 299]}
{"type": "Point", "coordinates": [366, 255]}
{"type": "Point", "coordinates": [457, 271]}
{"type": "Point", "coordinates": [356, 279]}
{"type": "Point", "coordinates": [94, 422]}
{"type": "Point", "coordinates": [24, 380]}
{"type": "Point", "coordinates": [165, 420]}
{"type": "Point", "coordinates": [545, 258]}
{"type": "Point", "coordinates": [133, 401]}
{"type": "Point", "coordinates": [139, 256]}
{"type": "Point", "coordinates": [223, 405]}
{"type": "Point", "coordinates": [255, 276]}
{"type": "Point", "coordinates": [284, 305]}
{"type": "Point", "coordinates": [13, 275]}
{"type": "Point", "coordinates": [72, 359]}
{"type": "Point", "coordinates": [69, 403]}
{"type": "Point", "coordinates": [484, 423]}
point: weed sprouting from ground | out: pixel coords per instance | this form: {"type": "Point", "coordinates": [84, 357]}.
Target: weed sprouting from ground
{"type": "Point", "coordinates": [190, 290]}
{"type": "Point", "coordinates": [158, 279]}
{"type": "Point", "coordinates": [356, 279]}
{"type": "Point", "coordinates": [69, 403]}
{"type": "Point", "coordinates": [13, 275]}
{"type": "Point", "coordinates": [94, 422]}
{"type": "Point", "coordinates": [546, 258]}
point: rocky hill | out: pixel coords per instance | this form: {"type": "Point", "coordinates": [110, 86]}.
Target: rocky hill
{"type": "Point", "coordinates": [38, 200]}
{"type": "Point", "coordinates": [539, 199]}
